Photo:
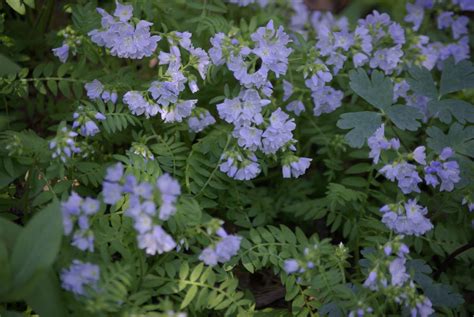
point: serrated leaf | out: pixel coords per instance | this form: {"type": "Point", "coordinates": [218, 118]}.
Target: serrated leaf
{"type": "Point", "coordinates": [378, 91]}
{"type": "Point", "coordinates": [446, 109]}
{"type": "Point", "coordinates": [422, 82]}
{"type": "Point", "coordinates": [456, 77]}
{"type": "Point", "coordinates": [362, 124]}
{"type": "Point", "coordinates": [405, 117]}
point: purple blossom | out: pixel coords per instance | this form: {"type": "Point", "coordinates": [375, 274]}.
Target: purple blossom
{"type": "Point", "coordinates": [270, 46]}
{"type": "Point", "coordinates": [278, 133]}
{"type": "Point", "coordinates": [248, 137]}
{"type": "Point", "coordinates": [377, 142]}
{"type": "Point", "coordinates": [423, 308]}
{"type": "Point", "coordinates": [244, 109]}
{"type": "Point", "coordinates": [296, 167]}
{"type": "Point", "coordinates": [94, 89]}
{"type": "Point", "coordinates": [415, 15]}
{"type": "Point", "coordinates": [459, 26]}
{"type": "Point", "coordinates": [419, 155]}
{"type": "Point", "coordinates": [445, 19]}
{"type": "Point", "coordinates": [121, 37]}
{"type": "Point", "coordinates": [287, 90]}
{"type": "Point", "coordinates": [239, 167]}
{"type": "Point", "coordinates": [79, 277]}
{"type": "Point", "coordinates": [397, 33]}
{"type": "Point", "coordinates": [387, 59]}
{"type": "Point", "coordinates": [62, 52]}
{"type": "Point", "coordinates": [296, 106]}
{"type": "Point", "coordinates": [408, 218]}
{"type": "Point", "coordinates": [138, 105]}
{"type": "Point", "coordinates": [202, 59]}
{"type": "Point", "coordinates": [201, 121]}
{"type": "Point", "coordinates": [156, 241]}
{"type": "Point", "coordinates": [291, 266]}
{"type": "Point", "coordinates": [406, 175]}
{"type": "Point", "coordinates": [64, 145]}
{"type": "Point", "coordinates": [465, 5]}
{"type": "Point", "coordinates": [112, 192]}
{"type": "Point", "coordinates": [179, 111]}
{"type": "Point", "coordinates": [397, 270]}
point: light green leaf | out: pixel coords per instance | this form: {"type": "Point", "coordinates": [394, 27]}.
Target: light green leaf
{"type": "Point", "coordinates": [362, 124]}
{"type": "Point", "coordinates": [17, 5]}
{"type": "Point", "coordinates": [378, 91]}
{"type": "Point", "coordinates": [192, 291]}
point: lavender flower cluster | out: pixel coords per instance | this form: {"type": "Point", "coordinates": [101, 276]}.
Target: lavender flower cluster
{"type": "Point", "coordinates": [84, 121]}
{"type": "Point", "coordinates": [406, 218]}
{"type": "Point", "coordinates": [64, 144]}
{"type": "Point", "coordinates": [163, 96]}
{"type": "Point", "coordinates": [122, 37]}
{"type": "Point", "coordinates": [76, 213]}
{"type": "Point", "coordinates": [223, 251]}
{"type": "Point", "coordinates": [80, 277]}
{"type": "Point", "coordinates": [142, 207]}
{"type": "Point", "coordinates": [389, 276]}
{"type": "Point", "coordinates": [406, 174]}
{"type": "Point", "coordinates": [95, 90]}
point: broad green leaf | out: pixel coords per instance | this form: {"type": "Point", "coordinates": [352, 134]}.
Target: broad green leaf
{"type": "Point", "coordinates": [9, 232]}
{"type": "Point", "coordinates": [459, 138]}
{"type": "Point", "coordinates": [446, 109]}
{"type": "Point", "coordinates": [17, 5]}
{"type": "Point", "coordinates": [45, 298]}
{"type": "Point", "coordinates": [456, 77]}
{"type": "Point", "coordinates": [422, 82]}
{"type": "Point", "coordinates": [378, 91]}
{"type": "Point", "coordinates": [362, 124]}
{"type": "Point", "coordinates": [405, 117]}
{"type": "Point", "coordinates": [37, 245]}
{"type": "Point", "coordinates": [8, 67]}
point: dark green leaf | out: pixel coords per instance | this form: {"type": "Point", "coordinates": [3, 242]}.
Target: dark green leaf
{"type": "Point", "coordinates": [37, 245]}
{"type": "Point", "coordinates": [362, 124]}
{"type": "Point", "coordinates": [45, 298]}
{"type": "Point", "coordinates": [405, 117]}
{"type": "Point", "coordinates": [456, 77]}
{"type": "Point", "coordinates": [422, 82]}
{"type": "Point", "coordinates": [8, 67]}
{"type": "Point", "coordinates": [445, 109]}
{"type": "Point", "coordinates": [378, 91]}
{"type": "Point", "coordinates": [459, 138]}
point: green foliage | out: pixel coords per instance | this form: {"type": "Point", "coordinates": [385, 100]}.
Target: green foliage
{"type": "Point", "coordinates": [362, 124]}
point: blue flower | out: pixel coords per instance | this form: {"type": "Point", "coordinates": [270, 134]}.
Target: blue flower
{"type": "Point", "coordinates": [62, 52]}
{"type": "Point", "coordinates": [201, 121]}
{"type": "Point", "coordinates": [138, 105]}
{"type": "Point", "coordinates": [237, 166]}
{"type": "Point", "coordinates": [406, 175]}
{"type": "Point", "coordinates": [156, 241]}
{"type": "Point", "coordinates": [208, 256]}
{"type": "Point", "coordinates": [112, 192]}
{"type": "Point", "coordinates": [179, 111]}
{"type": "Point", "coordinates": [121, 37]}
{"type": "Point", "coordinates": [419, 155]}
{"type": "Point", "coordinates": [278, 133]}
{"type": "Point", "coordinates": [296, 106]}
{"type": "Point", "coordinates": [397, 270]}
{"type": "Point", "coordinates": [114, 173]}
{"type": "Point", "coordinates": [244, 109]}
{"type": "Point", "coordinates": [248, 137]}
{"type": "Point", "coordinates": [291, 266]}
{"type": "Point", "coordinates": [79, 277]}
{"type": "Point", "coordinates": [377, 142]}
{"type": "Point", "coordinates": [94, 89]}
{"type": "Point", "coordinates": [415, 15]}
{"type": "Point", "coordinates": [408, 218]}
{"type": "Point", "coordinates": [295, 166]}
